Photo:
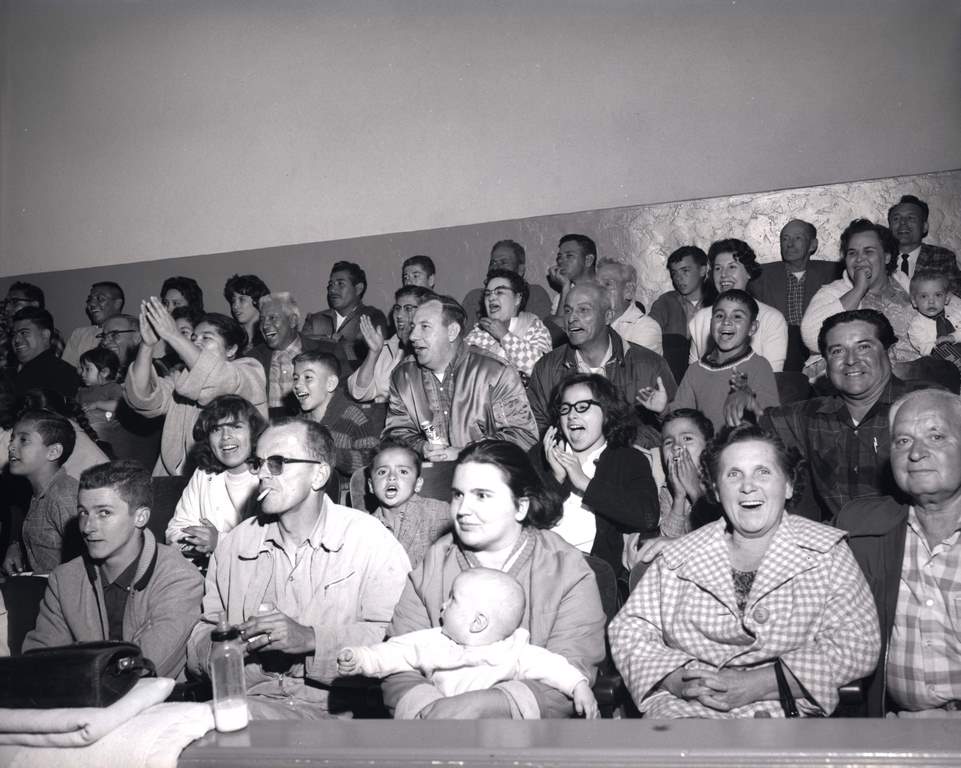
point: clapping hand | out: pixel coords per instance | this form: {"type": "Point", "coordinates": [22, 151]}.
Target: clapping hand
{"type": "Point", "coordinates": [159, 319]}
{"type": "Point", "coordinates": [551, 451]}
{"type": "Point", "coordinates": [148, 335]}
{"type": "Point", "coordinates": [653, 398]}
{"type": "Point", "coordinates": [373, 336]}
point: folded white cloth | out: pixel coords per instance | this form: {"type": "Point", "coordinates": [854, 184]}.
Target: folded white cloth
{"type": "Point", "coordinates": [79, 726]}
{"type": "Point", "coordinates": [152, 739]}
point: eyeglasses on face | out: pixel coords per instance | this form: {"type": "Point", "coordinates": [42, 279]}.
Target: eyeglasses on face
{"type": "Point", "coordinates": [580, 406]}
{"type": "Point", "coordinates": [275, 464]}
{"type": "Point", "coordinates": [407, 309]}
{"type": "Point", "coordinates": [113, 335]}
{"type": "Point", "coordinates": [498, 292]}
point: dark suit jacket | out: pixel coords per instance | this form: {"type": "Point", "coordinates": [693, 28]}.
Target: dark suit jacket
{"type": "Point", "coordinates": [261, 353]}
{"type": "Point", "coordinates": [941, 260]}
{"type": "Point", "coordinates": [771, 286]}
{"type": "Point", "coordinates": [320, 325]}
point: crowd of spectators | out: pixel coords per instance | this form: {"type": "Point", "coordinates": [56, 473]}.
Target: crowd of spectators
{"type": "Point", "coordinates": [742, 500]}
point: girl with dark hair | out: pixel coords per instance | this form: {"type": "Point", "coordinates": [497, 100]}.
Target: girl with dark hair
{"type": "Point", "coordinates": [586, 455]}
{"type": "Point", "coordinates": [733, 264]}
{"type": "Point", "coordinates": [211, 368]}
{"type": "Point", "coordinates": [505, 330]}
{"type": "Point", "coordinates": [684, 502]}
{"type": "Point", "coordinates": [221, 492]}
{"type": "Point", "coordinates": [501, 512]}
{"type": "Point", "coordinates": [243, 294]}
{"type": "Point", "coordinates": [182, 292]}
{"type": "Point", "coordinates": [689, 639]}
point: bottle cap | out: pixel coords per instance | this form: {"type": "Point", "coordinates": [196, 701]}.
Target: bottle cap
{"type": "Point", "coordinates": [224, 632]}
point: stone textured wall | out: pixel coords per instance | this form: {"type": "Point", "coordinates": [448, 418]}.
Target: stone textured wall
{"type": "Point", "coordinates": [646, 235]}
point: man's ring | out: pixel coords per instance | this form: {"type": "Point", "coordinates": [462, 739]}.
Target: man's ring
{"type": "Point", "coordinates": [269, 639]}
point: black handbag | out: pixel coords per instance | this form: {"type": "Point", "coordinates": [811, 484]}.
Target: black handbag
{"type": "Point", "coordinates": [81, 675]}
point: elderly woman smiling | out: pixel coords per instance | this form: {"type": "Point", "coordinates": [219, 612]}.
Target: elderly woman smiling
{"type": "Point", "coordinates": [703, 632]}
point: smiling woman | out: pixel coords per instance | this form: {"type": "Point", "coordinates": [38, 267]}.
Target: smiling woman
{"type": "Point", "coordinates": [723, 608]}
{"type": "Point", "coordinates": [220, 493]}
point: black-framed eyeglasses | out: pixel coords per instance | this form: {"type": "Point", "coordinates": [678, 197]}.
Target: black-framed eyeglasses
{"type": "Point", "coordinates": [114, 335]}
{"type": "Point", "coordinates": [407, 309]}
{"type": "Point", "coordinates": [275, 464]}
{"type": "Point", "coordinates": [580, 406]}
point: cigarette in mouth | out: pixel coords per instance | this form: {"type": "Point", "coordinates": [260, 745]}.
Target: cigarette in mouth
{"type": "Point", "coordinates": [263, 494]}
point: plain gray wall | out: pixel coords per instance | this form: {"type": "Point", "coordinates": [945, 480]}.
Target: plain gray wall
{"type": "Point", "coordinates": [135, 131]}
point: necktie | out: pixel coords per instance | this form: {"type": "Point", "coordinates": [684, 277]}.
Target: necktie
{"type": "Point", "coordinates": [904, 262]}
{"type": "Point", "coordinates": [944, 326]}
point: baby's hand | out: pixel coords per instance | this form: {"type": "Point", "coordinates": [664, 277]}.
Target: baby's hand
{"type": "Point", "coordinates": [584, 702]}
{"type": "Point", "coordinates": [347, 663]}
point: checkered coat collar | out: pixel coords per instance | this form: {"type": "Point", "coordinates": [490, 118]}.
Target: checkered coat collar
{"type": "Point", "coordinates": [702, 557]}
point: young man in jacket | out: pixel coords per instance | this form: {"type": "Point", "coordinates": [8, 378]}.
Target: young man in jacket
{"type": "Point", "coordinates": [125, 586]}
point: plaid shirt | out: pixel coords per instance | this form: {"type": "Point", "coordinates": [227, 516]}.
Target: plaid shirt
{"type": "Point", "coordinates": [795, 298]}
{"type": "Point", "coordinates": [809, 605]}
{"type": "Point", "coordinates": [416, 524]}
{"type": "Point", "coordinates": [924, 653]}
{"type": "Point", "coordinates": [46, 523]}
{"type": "Point", "coordinates": [845, 460]}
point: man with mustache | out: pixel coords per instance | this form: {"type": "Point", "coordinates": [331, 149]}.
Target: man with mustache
{"type": "Point", "coordinates": [341, 323]}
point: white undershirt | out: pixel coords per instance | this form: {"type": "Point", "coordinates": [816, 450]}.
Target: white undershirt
{"type": "Point", "coordinates": [578, 526]}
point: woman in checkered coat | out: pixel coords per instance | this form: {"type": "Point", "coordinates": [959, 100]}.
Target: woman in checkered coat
{"type": "Point", "coordinates": [700, 634]}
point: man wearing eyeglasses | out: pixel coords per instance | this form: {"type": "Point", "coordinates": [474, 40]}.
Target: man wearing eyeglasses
{"type": "Point", "coordinates": [121, 335]}
{"type": "Point", "coordinates": [302, 580]}
{"type": "Point", "coordinates": [105, 300]}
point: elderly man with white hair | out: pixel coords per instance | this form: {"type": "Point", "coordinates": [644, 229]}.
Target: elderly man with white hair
{"type": "Point", "coordinates": [280, 321]}
{"type": "Point", "coordinates": [630, 322]}
{"type": "Point", "coordinates": [910, 551]}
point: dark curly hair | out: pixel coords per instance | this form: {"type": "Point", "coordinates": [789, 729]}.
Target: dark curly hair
{"type": "Point", "coordinates": [789, 460]}
{"type": "Point", "coordinates": [518, 285]}
{"type": "Point", "coordinates": [620, 419]}
{"type": "Point", "coordinates": [245, 285]}
{"type": "Point", "coordinates": [544, 508]}
{"type": "Point", "coordinates": [889, 243]}
{"type": "Point", "coordinates": [704, 425]}
{"type": "Point", "coordinates": [220, 408]}
{"type": "Point", "coordinates": [740, 251]}
{"type": "Point", "coordinates": [187, 287]}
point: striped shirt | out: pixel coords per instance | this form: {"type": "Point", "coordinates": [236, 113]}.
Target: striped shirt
{"type": "Point", "coordinates": [924, 653]}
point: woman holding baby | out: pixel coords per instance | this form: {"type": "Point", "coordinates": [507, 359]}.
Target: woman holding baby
{"type": "Point", "coordinates": [501, 512]}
